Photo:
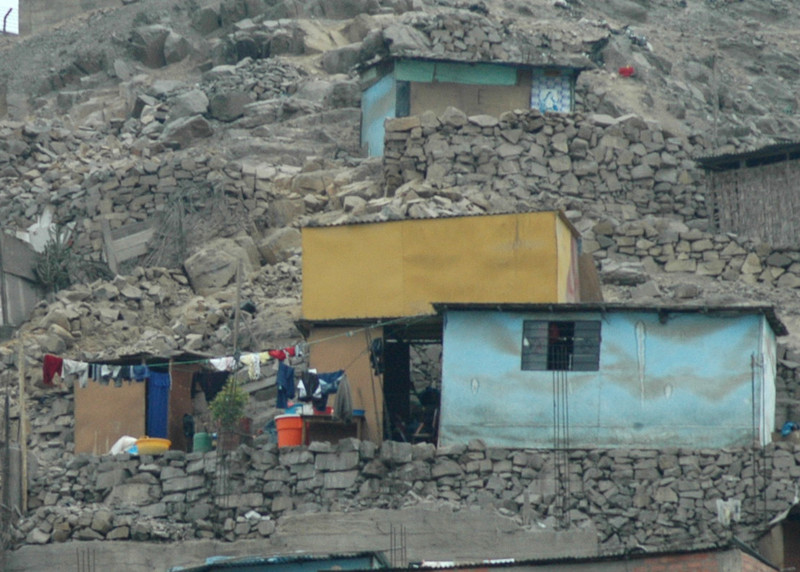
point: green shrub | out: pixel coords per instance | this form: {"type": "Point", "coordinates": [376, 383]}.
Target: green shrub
{"type": "Point", "coordinates": [227, 408]}
{"type": "Point", "coordinates": [57, 262]}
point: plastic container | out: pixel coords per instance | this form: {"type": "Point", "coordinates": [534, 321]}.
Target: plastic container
{"type": "Point", "coordinates": [201, 443]}
{"type": "Point", "coordinates": [290, 430]}
{"type": "Point", "coordinates": [152, 445]}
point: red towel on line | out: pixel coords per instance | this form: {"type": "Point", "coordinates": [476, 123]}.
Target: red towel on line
{"type": "Point", "coordinates": [50, 367]}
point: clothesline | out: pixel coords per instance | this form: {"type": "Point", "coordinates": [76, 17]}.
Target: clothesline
{"type": "Point", "coordinates": [104, 372]}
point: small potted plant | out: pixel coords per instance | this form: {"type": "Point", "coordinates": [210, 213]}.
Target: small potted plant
{"type": "Point", "coordinates": [227, 409]}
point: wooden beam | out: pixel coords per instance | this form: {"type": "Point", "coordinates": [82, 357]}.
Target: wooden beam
{"type": "Point", "coordinates": [23, 426]}
{"type": "Point", "coordinates": [108, 242]}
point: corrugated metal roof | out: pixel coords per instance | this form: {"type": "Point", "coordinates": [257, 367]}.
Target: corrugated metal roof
{"type": "Point", "coordinates": [769, 311]}
{"type": "Point", "coordinates": [763, 155]}
{"type": "Point", "coordinates": [233, 562]}
{"type": "Point", "coordinates": [377, 219]}
{"type": "Point", "coordinates": [570, 64]}
{"type": "Point", "coordinates": [621, 554]}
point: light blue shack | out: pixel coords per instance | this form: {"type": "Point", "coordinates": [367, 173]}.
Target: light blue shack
{"type": "Point", "coordinates": [291, 563]}
{"type": "Point", "coordinates": [599, 375]}
{"type": "Point", "coordinates": [402, 86]}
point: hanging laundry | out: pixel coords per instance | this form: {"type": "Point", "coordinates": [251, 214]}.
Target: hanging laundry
{"type": "Point", "coordinates": [227, 363]}
{"type": "Point", "coordinates": [343, 408]}
{"type": "Point", "coordinates": [285, 383]}
{"type": "Point", "coordinates": [140, 372]}
{"type": "Point", "coordinates": [282, 354]}
{"type": "Point", "coordinates": [157, 404]}
{"type": "Point", "coordinates": [308, 384]}
{"type": "Point", "coordinates": [51, 365]}
{"type": "Point", "coordinates": [77, 368]}
{"type": "Point", "coordinates": [316, 387]}
{"type": "Point", "coordinates": [253, 363]}
{"type": "Point", "coordinates": [277, 354]}
{"type": "Point", "coordinates": [209, 382]}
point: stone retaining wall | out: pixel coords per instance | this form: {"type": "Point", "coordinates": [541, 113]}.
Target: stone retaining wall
{"type": "Point", "coordinates": [619, 160]}
{"type": "Point", "coordinates": [642, 180]}
{"type": "Point", "coordinates": [632, 497]}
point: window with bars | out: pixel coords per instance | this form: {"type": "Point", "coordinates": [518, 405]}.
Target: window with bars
{"type": "Point", "coordinates": [561, 345]}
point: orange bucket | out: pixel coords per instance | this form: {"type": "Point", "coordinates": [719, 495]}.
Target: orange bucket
{"type": "Point", "coordinates": [290, 430]}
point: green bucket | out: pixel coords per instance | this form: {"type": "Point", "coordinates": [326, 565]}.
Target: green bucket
{"type": "Point", "coordinates": [202, 442]}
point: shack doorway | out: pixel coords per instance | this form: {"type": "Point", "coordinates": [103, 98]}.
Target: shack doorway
{"type": "Point", "coordinates": [412, 386]}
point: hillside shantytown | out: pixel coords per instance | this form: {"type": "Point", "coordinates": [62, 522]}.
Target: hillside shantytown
{"type": "Point", "coordinates": [397, 284]}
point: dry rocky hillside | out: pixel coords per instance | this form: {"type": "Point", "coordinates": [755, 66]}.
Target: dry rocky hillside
{"type": "Point", "coordinates": [229, 125]}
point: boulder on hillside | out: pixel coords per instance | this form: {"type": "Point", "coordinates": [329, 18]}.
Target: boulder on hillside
{"type": "Point", "coordinates": [216, 264]}
{"type": "Point", "coordinates": [228, 106]}
{"type": "Point", "coordinates": [287, 43]}
{"type": "Point", "coordinates": [176, 48]}
{"type": "Point", "coordinates": [147, 44]}
{"type": "Point", "coordinates": [346, 9]}
{"type": "Point", "coordinates": [623, 272]}
{"type": "Point", "coordinates": [183, 131]}
{"type": "Point", "coordinates": [192, 102]}
{"type": "Point", "coordinates": [341, 60]}
{"type": "Point", "coordinates": [280, 245]}
{"type": "Point", "coordinates": [400, 38]}
{"type": "Point", "coordinates": [206, 20]}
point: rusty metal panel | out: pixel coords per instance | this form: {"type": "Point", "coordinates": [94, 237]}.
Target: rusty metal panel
{"type": "Point", "coordinates": [682, 380]}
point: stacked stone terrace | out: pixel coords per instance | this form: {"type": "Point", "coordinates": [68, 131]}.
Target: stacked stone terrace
{"type": "Point", "coordinates": [632, 498]}
{"type": "Point", "coordinates": [643, 182]}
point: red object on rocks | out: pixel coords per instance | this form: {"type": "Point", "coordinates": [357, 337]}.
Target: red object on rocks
{"type": "Point", "coordinates": [626, 71]}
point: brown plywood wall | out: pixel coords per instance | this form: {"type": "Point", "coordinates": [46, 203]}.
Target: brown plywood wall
{"type": "Point", "coordinates": [471, 99]}
{"type": "Point", "coordinates": [104, 413]}
{"type": "Point", "coordinates": [333, 349]}
{"type": "Point", "coordinates": [180, 403]}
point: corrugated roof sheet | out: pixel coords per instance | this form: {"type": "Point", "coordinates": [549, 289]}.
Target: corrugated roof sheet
{"type": "Point", "coordinates": [769, 311]}
{"type": "Point", "coordinates": [764, 155]}
{"type": "Point", "coordinates": [573, 62]}
{"type": "Point", "coordinates": [621, 554]}
{"type": "Point", "coordinates": [377, 218]}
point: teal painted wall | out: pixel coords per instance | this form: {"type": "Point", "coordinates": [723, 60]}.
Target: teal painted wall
{"type": "Point", "coordinates": [552, 91]}
{"type": "Point", "coordinates": [378, 103]}
{"type": "Point", "coordinates": [687, 382]}
{"type": "Point", "coordinates": [455, 72]}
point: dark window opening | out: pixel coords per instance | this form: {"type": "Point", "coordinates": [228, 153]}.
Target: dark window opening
{"type": "Point", "coordinates": [561, 345]}
{"type": "Point", "coordinates": [411, 380]}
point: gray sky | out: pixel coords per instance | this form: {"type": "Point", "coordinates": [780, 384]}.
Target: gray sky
{"type": "Point", "coordinates": [12, 22]}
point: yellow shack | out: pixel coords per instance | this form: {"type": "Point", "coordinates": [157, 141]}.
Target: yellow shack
{"type": "Point", "coordinates": [368, 290]}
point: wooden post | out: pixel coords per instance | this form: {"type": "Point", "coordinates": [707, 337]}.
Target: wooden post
{"type": "Point", "coordinates": [5, 319]}
{"type": "Point", "coordinates": [108, 242]}
{"type": "Point", "coordinates": [23, 426]}
{"type": "Point", "coordinates": [237, 311]}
